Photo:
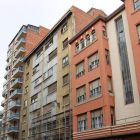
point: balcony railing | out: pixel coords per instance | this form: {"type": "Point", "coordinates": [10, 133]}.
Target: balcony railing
{"type": "Point", "coordinates": [5, 75]}
{"type": "Point", "coordinates": [1, 112]}
{"type": "Point", "coordinates": [21, 49]}
{"type": "Point", "coordinates": [4, 91]}
{"type": "Point", "coordinates": [80, 73]}
{"type": "Point", "coordinates": [18, 60]}
{"type": "Point", "coordinates": [95, 92]}
{"type": "Point", "coordinates": [17, 70]}
{"type": "Point", "coordinates": [14, 116]}
{"type": "Point", "coordinates": [20, 33]}
{"type": "Point", "coordinates": [2, 103]}
{"type": "Point", "coordinates": [7, 65]}
{"type": "Point", "coordinates": [15, 92]}
{"type": "Point", "coordinates": [15, 128]}
{"type": "Point", "coordinates": [22, 40]}
{"type": "Point", "coordinates": [81, 98]}
{"type": "Point", "coordinates": [4, 82]}
{"type": "Point", "coordinates": [18, 80]}
{"type": "Point", "coordinates": [93, 65]}
{"type": "Point", "coordinates": [14, 104]}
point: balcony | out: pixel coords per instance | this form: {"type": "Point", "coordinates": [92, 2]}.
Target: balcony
{"type": "Point", "coordinates": [17, 72]}
{"type": "Point", "coordinates": [1, 113]}
{"type": "Point", "coordinates": [14, 117]}
{"type": "Point", "coordinates": [21, 34]}
{"type": "Point", "coordinates": [20, 43]}
{"type": "Point", "coordinates": [16, 83]}
{"type": "Point", "coordinates": [4, 91]}
{"type": "Point", "coordinates": [2, 103]}
{"type": "Point", "coordinates": [6, 67]}
{"type": "Point", "coordinates": [8, 56]}
{"type": "Point", "coordinates": [15, 94]}
{"type": "Point", "coordinates": [14, 105]}
{"type": "Point", "coordinates": [20, 52]}
{"type": "Point", "coordinates": [12, 129]}
{"type": "Point", "coordinates": [5, 75]}
{"type": "Point", "coordinates": [18, 62]}
{"type": "Point", "coordinates": [0, 122]}
{"type": "Point", "coordinates": [5, 83]}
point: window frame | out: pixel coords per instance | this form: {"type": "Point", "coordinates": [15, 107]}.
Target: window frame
{"type": "Point", "coordinates": [77, 47]}
{"type": "Point", "coordinates": [66, 61]}
{"type": "Point", "coordinates": [87, 39]}
{"type": "Point", "coordinates": [25, 103]}
{"type": "Point", "coordinates": [27, 76]}
{"type": "Point", "coordinates": [53, 56]}
{"type": "Point", "coordinates": [138, 26]}
{"type": "Point", "coordinates": [64, 28]}
{"type": "Point", "coordinates": [37, 80]}
{"type": "Point", "coordinates": [39, 53]}
{"type": "Point", "coordinates": [135, 4]}
{"type": "Point", "coordinates": [93, 35]}
{"type": "Point", "coordinates": [104, 31]}
{"type": "Point", "coordinates": [26, 89]}
{"type": "Point", "coordinates": [65, 43]}
{"type": "Point", "coordinates": [67, 75]}
{"type": "Point", "coordinates": [28, 63]}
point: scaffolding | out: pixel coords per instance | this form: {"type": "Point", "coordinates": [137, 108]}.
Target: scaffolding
{"type": "Point", "coordinates": [54, 127]}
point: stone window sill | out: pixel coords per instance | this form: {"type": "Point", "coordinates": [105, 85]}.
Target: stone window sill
{"type": "Point", "coordinates": [105, 37]}
{"type": "Point", "coordinates": [65, 84]}
{"type": "Point", "coordinates": [135, 11]}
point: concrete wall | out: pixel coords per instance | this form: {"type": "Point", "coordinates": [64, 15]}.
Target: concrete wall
{"type": "Point", "coordinates": [122, 111]}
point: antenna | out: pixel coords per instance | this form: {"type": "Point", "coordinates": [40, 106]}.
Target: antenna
{"type": "Point", "coordinates": [92, 3]}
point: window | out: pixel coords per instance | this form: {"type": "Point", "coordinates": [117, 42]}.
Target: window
{"type": "Point", "coordinates": [82, 44]}
{"type": "Point", "coordinates": [64, 28]}
{"type": "Point", "coordinates": [95, 88]}
{"type": "Point", "coordinates": [24, 118]}
{"type": "Point", "coordinates": [27, 76]}
{"type": "Point", "coordinates": [47, 108]}
{"type": "Point", "coordinates": [48, 73]}
{"type": "Point", "coordinates": [65, 79]}
{"type": "Point", "coordinates": [136, 3]}
{"type": "Point", "coordinates": [65, 43]}
{"type": "Point", "coordinates": [47, 45]}
{"type": "Point", "coordinates": [39, 53]}
{"type": "Point", "coordinates": [112, 116]}
{"type": "Point", "coordinates": [81, 94]}
{"type": "Point", "coordinates": [52, 88]}
{"type": "Point", "coordinates": [107, 57]}
{"type": "Point", "coordinates": [104, 31]}
{"type": "Point", "coordinates": [109, 84]}
{"type": "Point", "coordinates": [25, 103]}
{"type": "Point", "coordinates": [26, 89]}
{"type": "Point", "coordinates": [34, 98]}
{"type": "Point", "coordinates": [80, 69]}
{"type": "Point", "coordinates": [36, 113]}
{"type": "Point", "coordinates": [93, 61]}
{"type": "Point", "coordinates": [23, 134]}
{"type": "Point", "coordinates": [35, 69]}
{"type": "Point", "coordinates": [36, 82]}
{"type": "Point", "coordinates": [138, 28]}
{"type": "Point", "coordinates": [77, 47]}
{"type": "Point", "coordinates": [28, 63]}
{"type": "Point", "coordinates": [97, 119]}
{"type": "Point", "coordinates": [52, 54]}
{"type": "Point", "coordinates": [93, 35]}
{"type": "Point", "coordinates": [82, 122]}
{"type": "Point", "coordinates": [87, 39]}
{"type": "Point", "coordinates": [126, 75]}
{"type": "Point", "coordinates": [65, 61]}
{"type": "Point", "coordinates": [65, 99]}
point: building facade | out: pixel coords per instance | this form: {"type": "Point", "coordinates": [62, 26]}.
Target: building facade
{"type": "Point", "coordinates": [105, 87]}
{"type": "Point", "coordinates": [25, 40]}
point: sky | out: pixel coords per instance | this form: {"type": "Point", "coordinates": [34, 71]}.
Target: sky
{"type": "Point", "coordinates": [15, 13]}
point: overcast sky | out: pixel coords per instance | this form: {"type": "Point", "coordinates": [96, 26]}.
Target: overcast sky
{"type": "Point", "coordinates": [15, 13]}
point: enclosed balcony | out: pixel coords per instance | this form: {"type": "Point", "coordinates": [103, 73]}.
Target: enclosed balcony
{"type": "Point", "coordinates": [15, 94]}
{"type": "Point", "coordinates": [2, 103]}
{"type": "Point", "coordinates": [20, 43]}
{"type": "Point", "coordinates": [21, 34]}
{"type": "Point", "coordinates": [6, 67]}
{"type": "Point", "coordinates": [14, 105]}
{"type": "Point", "coordinates": [17, 72]}
{"type": "Point", "coordinates": [18, 62]}
{"type": "Point", "coordinates": [14, 117]}
{"type": "Point", "coordinates": [16, 83]}
{"type": "Point", "coordinates": [20, 52]}
{"type": "Point", "coordinates": [12, 129]}
{"type": "Point", "coordinates": [3, 93]}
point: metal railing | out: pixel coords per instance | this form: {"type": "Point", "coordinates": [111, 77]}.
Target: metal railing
{"type": "Point", "coordinates": [17, 80]}
{"type": "Point", "coordinates": [80, 73]}
{"type": "Point", "coordinates": [14, 116]}
{"type": "Point", "coordinates": [81, 98]}
{"type": "Point", "coordinates": [95, 92]}
{"type": "Point", "coordinates": [23, 30]}
{"type": "Point", "coordinates": [82, 128]}
{"type": "Point", "coordinates": [1, 112]}
{"type": "Point", "coordinates": [97, 125]}
{"type": "Point", "coordinates": [21, 49]}
{"type": "Point", "coordinates": [21, 40]}
{"type": "Point", "coordinates": [4, 91]}
{"type": "Point", "coordinates": [18, 69]}
{"type": "Point", "coordinates": [19, 59]}
{"type": "Point", "coordinates": [93, 65]}
{"type": "Point", "coordinates": [15, 92]}
{"type": "Point", "coordinates": [14, 104]}
{"type": "Point", "coordinates": [4, 82]}
{"type": "Point", "coordinates": [15, 128]}
{"type": "Point", "coordinates": [3, 101]}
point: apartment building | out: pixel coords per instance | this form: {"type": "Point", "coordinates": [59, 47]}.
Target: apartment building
{"type": "Point", "coordinates": [21, 45]}
{"type": "Point", "coordinates": [47, 98]}
{"type": "Point", "coordinates": [105, 87]}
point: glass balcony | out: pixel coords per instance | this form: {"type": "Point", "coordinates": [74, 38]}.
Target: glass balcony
{"type": "Point", "coordinates": [8, 56]}
{"type": "Point", "coordinates": [13, 129]}
{"type": "Point", "coordinates": [6, 67]}
{"type": "Point", "coordinates": [15, 94]}
{"type": "Point", "coordinates": [18, 62]}
{"type": "Point", "coordinates": [20, 52]}
{"type": "Point", "coordinates": [5, 75]}
{"type": "Point", "coordinates": [16, 83]}
{"type": "Point", "coordinates": [5, 83]}
{"type": "Point", "coordinates": [20, 43]}
{"type": "Point", "coordinates": [21, 34]}
{"type": "Point", "coordinates": [14, 105]}
{"type": "Point", "coordinates": [4, 91]}
{"type": "Point", "coordinates": [14, 117]}
{"type": "Point", "coordinates": [17, 72]}
{"type": "Point", "coordinates": [2, 103]}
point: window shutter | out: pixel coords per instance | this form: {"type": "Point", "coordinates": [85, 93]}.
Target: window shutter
{"type": "Point", "coordinates": [34, 70]}
{"type": "Point", "coordinates": [47, 108]}
{"type": "Point", "coordinates": [95, 84]}
{"type": "Point", "coordinates": [65, 79]}
{"type": "Point", "coordinates": [47, 46]}
{"type": "Point", "coordinates": [112, 110]}
{"type": "Point", "coordinates": [81, 91]}
{"type": "Point", "coordinates": [52, 54]}
{"type": "Point", "coordinates": [82, 117]}
{"type": "Point", "coordinates": [66, 99]}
